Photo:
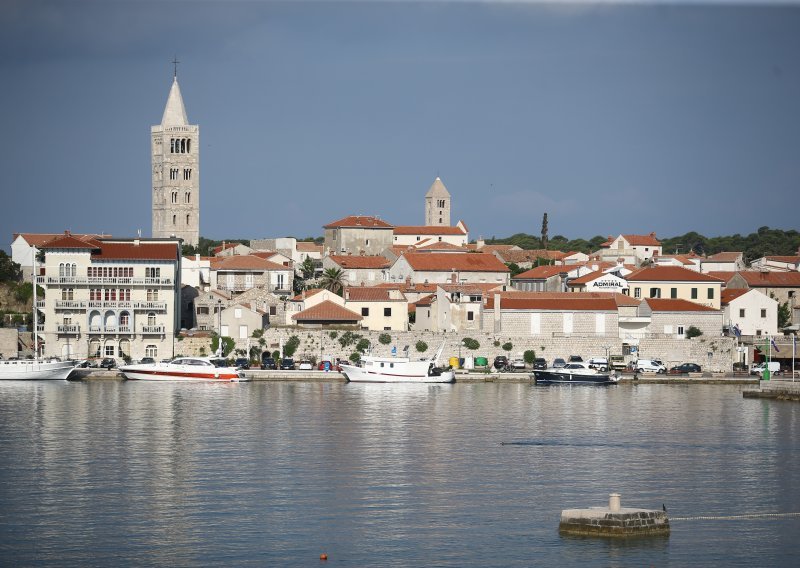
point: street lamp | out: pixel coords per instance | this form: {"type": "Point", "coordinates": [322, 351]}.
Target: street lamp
{"type": "Point", "coordinates": [219, 315]}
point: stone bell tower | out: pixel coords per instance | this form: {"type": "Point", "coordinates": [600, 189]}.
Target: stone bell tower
{"type": "Point", "coordinates": [176, 172]}
{"type": "Point", "coordinates": [437, 205]}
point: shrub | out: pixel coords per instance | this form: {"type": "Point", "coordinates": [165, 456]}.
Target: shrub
{"type": "Point", "coordinates": [693, 332]}
{"type": "Point", "coordinates": [291, 346]}
{"type": "Point", "coordinates": [363, 345]}
{"type": "Point", "coordinates": [333, 334]}
{"type": "Point", "coordinates": [276, 355]}
{"type": "Point", "coordinates": [355, 357]}
{"type": "Point", "coordinates": [496, 343]}
{"type": "Point", "coordinates": [529, 356]}
{"type": "Point", "coordinates": [421, 346]}
{"type": "Point", "coordinates": [385, 339]}
{"type": "Point", "coordinates": [470, 343]}
{"type": "Point", "coordinates": [349, 338]}
{"type": "Point", "coordinates": [507, 346]}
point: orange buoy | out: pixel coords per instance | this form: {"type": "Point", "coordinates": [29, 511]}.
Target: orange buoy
{"type": "Point", "coordinates": [323, 556]}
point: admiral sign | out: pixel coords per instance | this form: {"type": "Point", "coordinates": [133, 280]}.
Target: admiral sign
{"type": "Point", "coordinates": [607, 283]}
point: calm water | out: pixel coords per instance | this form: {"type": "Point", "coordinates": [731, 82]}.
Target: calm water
{"type": "Point", "coordinates": [110, 473]}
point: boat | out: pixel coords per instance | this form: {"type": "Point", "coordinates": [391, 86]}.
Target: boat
{"type": "Point", "coordinates": [574, 373]}
{"type": "Point", "coordinates": [34, 370]}
{"type": "Point", "coordinates": [398, 370]}
{"type": "Point", "coordinates": [185, 369]}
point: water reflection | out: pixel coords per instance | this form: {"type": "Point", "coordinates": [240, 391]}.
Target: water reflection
{"type": "Point", "coordinates": [453, 475]}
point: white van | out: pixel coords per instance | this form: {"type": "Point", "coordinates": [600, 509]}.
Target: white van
{"type": "Point", "coordinates": [758, 368]}
{"type": "Point", "coordinates": [599, 363]}
{"type": "Point", "coordinates": [650, 366]}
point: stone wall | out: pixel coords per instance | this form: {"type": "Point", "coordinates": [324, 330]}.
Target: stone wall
{"type": "Point", "coordinates": [8, 342]}
{"type": "Point", "coordinates": [315, 343]}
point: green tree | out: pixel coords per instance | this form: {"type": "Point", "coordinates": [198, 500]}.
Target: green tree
{"type": "Point", "coordinates": [384, 339]}
{"type": "Point", "coordinates": [784, 315]}
{"type": "Point", "coordinates": [10, 271]}
{"type": "Point", "coordinates": [291, 346]}
{"type": "Point", "coordinates": [470, 343]}
{"type": "Point", "coordinates": [421, 346]}
{"type": "Point", "coordinates": [333, 280]}
{"type": "Point", "coordinates": [529, 356]}
{"type": "Point", "coordinates": [507, 346]}
{"type": "Point", "coordinates": [307, 268]}
{"type": "Point", "coordinates": [692, 332]}
{"type": "Point", "coordinates": [228, 344]}
{"type": "Point", "coordinates": [544, 231]}
{"type": "Point", "coordinates": [355, 357]}
{"type": "Point", "coordinates": [363, 345]}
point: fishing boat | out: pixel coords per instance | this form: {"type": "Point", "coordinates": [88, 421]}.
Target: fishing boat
{"type": "Point", "coordinates": [36, 369]}
{"type": "Point", "coordinates": [574, 373]}
{"type": "Point", "coordinates": [398, 370]}
{"type": "Point", "coordinates": [185, 369]}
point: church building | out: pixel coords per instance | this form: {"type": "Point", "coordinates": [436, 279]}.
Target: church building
{"type": "Point", "coordinates": [176, 174]}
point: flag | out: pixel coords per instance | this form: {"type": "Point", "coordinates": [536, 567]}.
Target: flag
{"type": "Point", "coordinates": [736, 331]}
{"type": "Point", "coordinates": [775, 347]}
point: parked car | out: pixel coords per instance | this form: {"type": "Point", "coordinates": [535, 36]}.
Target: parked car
{"type": "Point", "coordinates": [242, 363]}
{"type": "Point", "coordinates": [599, 363]}
{"type": "Point", "coordinates": [558, 363]}
{"type": "Point", "coordinates": [147, 361]}
{"type": "Point", "coordinates": [540, 363]}
{"type": "Point", "coordinates": [287, 364]}
{"type": "Point", "coordinates": [107, 363]}
{"type": "Point", "coordinates": [575, 359]}
{"type": "Point", "coordinates": [685, 368]}
{"type": "Point", "coordinates": [305, 365]}
{"type": "Point", "coordinates": [758, 369]}
{"type": "Point", "coordinates": [501, 362]}
{"type": "Point", "coordinates": [517, 365]}
{"type": "Point", "coordinates": [328, 365]}
{"type": "Point", "coordinates": [650, 366]}
{"type": "Point", "coordinates": [268, 362]}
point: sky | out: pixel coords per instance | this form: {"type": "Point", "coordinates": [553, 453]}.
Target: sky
{"type": "Point", "coordinates": [613, 117]}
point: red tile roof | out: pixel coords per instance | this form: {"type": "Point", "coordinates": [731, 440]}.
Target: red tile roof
{"type": "Point", "coordinates": [69, 241]}
{"type": "Point", "coordinates": [730, 294]}
{"type": "Point", "coordinates": [636, 240]}
{"type": "Point", "coordinates": [771, 279]}
{"type": "Point", "coordinates": [327, 311]}
{"type": "Point", "coordinates": [675, 305]}
{"type": "Point", "coordinates": [724, 275]}
{"type": "Point", "coordinates": [355, 262]}
{"type": "Point", "coordinates": [39, 239]}
{"type": "Point", "coordinates": [668, 274]}
{"type": "Point", "coordinates": [562, 301]}
{"type": "Point", "coordinates": [440, 246]}
{"type": "Point", "coordinates": [369, 294]}
{"type": "Point", "coordinates": [458, 262]}
{"type": "Point", "coordinates": [427, 230]}
{"type": "Point", "coordinates": [360, 221]}
{"type": "Point", "coordinates": [306, 294]}
{"type": "Point", "coordinates": [542, 272]}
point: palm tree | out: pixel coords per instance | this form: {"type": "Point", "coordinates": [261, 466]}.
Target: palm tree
{"type": "Point", "coordinates": [333, 280]}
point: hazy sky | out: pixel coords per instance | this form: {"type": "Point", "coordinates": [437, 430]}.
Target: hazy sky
{"type": "Point", "coordinates": [612, 117]}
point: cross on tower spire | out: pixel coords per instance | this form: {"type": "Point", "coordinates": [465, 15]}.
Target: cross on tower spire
{"type": "Point", "coordinates": [175, 63]}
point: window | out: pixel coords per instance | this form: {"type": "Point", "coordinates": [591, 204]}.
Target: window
{"type": "Point", "coordinates": [187, 220]}
{"type": "Point", "coordinates": [151, 318]}
{"type": "Point", "coordinates": [364, 312]}
{"type": "Point", "coordinates": [673, 293]}
{"type": "Point", "coordinates": [187, 198]}
{"type": "Point", "coordinates": [470, 316]}
{"type": "Point", "coordinates": [711, 293]}
{"type": "Point", "coordinates": [763, 312]}
{"type": "Point", "coordinates": [152, 273]}
{"type": "Point", "coordinates": [273, 310]}
{"type": "Point", "coordinates": [655, 292]}
{"type": "Point", "coordinates": [637, 292]}
{"type": "Point", "coordinates": [174, 220]}
{"type": "Point", "coordinates": [694, 293]}
{"type": "Point", "coordinates": [279, 281]}
{"type": "Point", "coordinates": [387, 312]}
{"type": "Point", "coordinates": [741, 312]}
{"type": "Point", "coordinates": [67, 293]}
{"type": "Point", "coordinates": [187, 173]}
{"type": "Point", "coordinates": [237, 313]}
{"type": "Point", "coordinates": [202, 310]}
{"type": "Point", "coordinates": [152, 295]}
{"type": "Point", "coordinates": [681, 330]}
{"type": "Point", "coordinates": [151, 351]}
{"type": "Point", "coordinates": [109, 350]}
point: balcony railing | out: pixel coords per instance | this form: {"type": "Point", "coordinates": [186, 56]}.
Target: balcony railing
{"type": "Point", "coordinates": [68, 328]}
{"type": "Point", "coordinates": [40, 304]}
{"type": "Point", "coordinates": [70, 305]}
{"type": "Point", "coordinates": [126, 329]}
{"type": "Point", "coordinates": [111, 305]}
{"type": "Point", "coordinates": [61, 280]}
{"type": "Point", "coordinates": [149, 329]}
{"type": "Point", "coordinates": [156, 306]}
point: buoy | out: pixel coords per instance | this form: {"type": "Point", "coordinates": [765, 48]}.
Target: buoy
{"type": "Point", "coordinates": [323, 556]}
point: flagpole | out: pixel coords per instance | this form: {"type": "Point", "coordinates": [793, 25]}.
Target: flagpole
{"type": "Point", "coordinates": [794, 353]}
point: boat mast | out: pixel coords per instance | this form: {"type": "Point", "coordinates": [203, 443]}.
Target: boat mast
{"type": "Point", "coordinates": [35, 310]}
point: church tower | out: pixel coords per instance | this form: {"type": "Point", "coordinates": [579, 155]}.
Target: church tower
{"type": "Point", "coordinates": [437, 205]}
{"type": "Point", "coordinates": [176, 173]}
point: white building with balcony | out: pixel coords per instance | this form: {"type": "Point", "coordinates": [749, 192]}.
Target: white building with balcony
{"type": "Point", "coordinates": [110, 297]}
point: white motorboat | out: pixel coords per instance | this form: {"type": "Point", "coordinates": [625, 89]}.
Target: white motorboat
{"type": "Point", "coordinates": [185, 369]}
{"type": "Point", "coordinates": [398, 370]}
{"type": "Point", "coordinates": [33, 370]}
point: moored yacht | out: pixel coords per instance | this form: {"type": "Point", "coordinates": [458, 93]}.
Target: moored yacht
{"type": "Point", "coordinates": [398, 370]}
{"type": "Point", "coordinates": [185, 369]}
{"type": "Point", "coordinates": [574, 373]}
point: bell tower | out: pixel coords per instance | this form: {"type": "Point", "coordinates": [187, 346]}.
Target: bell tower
{"type": "Point", "coordinates": [175, 148]}
{"type": "Point", "coordinates": [437, 205]}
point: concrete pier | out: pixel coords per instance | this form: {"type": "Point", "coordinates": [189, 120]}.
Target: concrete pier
{"type": "Point", "coordinates": [614, 521]}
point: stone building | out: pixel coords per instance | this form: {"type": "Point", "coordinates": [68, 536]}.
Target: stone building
{"type": "Point", "coordinates": [357, 235]}
{"type": "Point", "coordinates": [380, 308]}
{"type": "Point", "coordinates": [237, 274]}
{"type": "Point", "coordinates": [633, 249]}
{"type": "Point", "coordinates": [674, 282]}
{"type": "Point", "coordinates": [437, 205]}
{"type": "Point", "coordinates": [111, 297]}
{"type": "Point", "coordinates": [454, 268]}
{"type": "Point", "coordinates": [175, 151]}
{"type": "Point", "coordinates": [358, 270]}
{"type": "Point", "coordinates": [751, 312]}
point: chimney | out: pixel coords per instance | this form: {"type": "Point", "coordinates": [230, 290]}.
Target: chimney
{"type": "Point", "coordinates": [653, 234]}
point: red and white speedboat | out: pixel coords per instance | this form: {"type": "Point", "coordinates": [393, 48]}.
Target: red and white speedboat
{"type": "Point", "coordinates": [187, 369]}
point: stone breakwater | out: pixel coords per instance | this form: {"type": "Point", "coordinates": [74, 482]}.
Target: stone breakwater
{"type": "Point", "coordinates": [614, 521]}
